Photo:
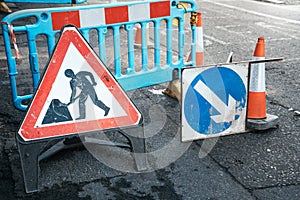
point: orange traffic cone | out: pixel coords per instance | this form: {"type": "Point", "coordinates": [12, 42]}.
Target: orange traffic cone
{"type": "Point", "coordinates": [199, 43]}
{"type": "Point", "coordinates": [257, 113]}
{"type": "Point", "coordinates": [257, 87]}
{"type": "Point", "coordinates": [138, 37]}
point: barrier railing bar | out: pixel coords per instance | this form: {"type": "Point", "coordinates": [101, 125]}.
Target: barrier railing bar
{"type": "Point", "coordinates": [33, 60]}
{"type": "Point", "coordinates": [157, 44]}
{"type": "Point", "coordinates": [180, 40]}
{"type": "Point", "coordinates": [51, 43]}
{"type": "Point", "coordinates": [101, 41]}
{"type": "Point", "coordinates": [144, 47]}
{"type": "Point", "coordinates": [130, 46]}
{"type": "Point", "coordinates": [169, 42]}
{"type": "Point", "coordinates": [117, 60]}
{"type": "Point", "coordinates": [85, 33]}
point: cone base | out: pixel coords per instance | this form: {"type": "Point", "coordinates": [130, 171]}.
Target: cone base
{"type": "Point", "coordinates": [271, 121]}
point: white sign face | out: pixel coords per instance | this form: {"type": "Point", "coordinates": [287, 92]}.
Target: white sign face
{"type": "Point", "coordinates": [214, 101]}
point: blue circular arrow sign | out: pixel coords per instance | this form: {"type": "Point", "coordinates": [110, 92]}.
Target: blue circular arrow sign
{"type": "Point", "coordinates": [214, 100]}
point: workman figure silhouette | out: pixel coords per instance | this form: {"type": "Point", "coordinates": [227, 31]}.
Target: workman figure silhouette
{"type": "Point", "coordinates": [81, 81]}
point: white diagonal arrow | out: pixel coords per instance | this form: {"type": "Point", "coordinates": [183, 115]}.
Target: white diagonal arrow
{"type": "Point", "coordinates": [227, 112]}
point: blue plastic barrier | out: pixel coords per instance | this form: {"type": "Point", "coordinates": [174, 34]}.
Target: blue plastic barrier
{"type": "Point", "coordinates": [47, 1]}
{"type": "Point", "coordinates": [48, 22]}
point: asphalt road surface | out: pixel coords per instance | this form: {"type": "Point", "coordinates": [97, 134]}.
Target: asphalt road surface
{"type": "Point", "coordinates": [253, 165]}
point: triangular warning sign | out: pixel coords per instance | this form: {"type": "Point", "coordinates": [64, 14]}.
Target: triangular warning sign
{"type": "Point", "coordinates": [77, 94]}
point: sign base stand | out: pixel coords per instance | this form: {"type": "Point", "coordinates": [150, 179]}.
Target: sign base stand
{"type": "Point", "coordinates": [30, 152]}
{"type": "Point", "coordinates": [29, 155]}
{"type": "Point", "coordinates": [48, 119]}
{"type": "Point", "coordinates": [138, 145]}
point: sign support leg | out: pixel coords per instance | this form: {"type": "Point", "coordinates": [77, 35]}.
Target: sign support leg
{"type": "Point", "coordinates": [138, 145]}
{"type": "Point", "coordinates": [29, 154]}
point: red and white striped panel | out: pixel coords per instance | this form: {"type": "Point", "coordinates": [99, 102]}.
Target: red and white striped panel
{"type": "Point", "coordinates": [105, 16]}
{"type": "Point", "coordinates": [199, 41]}
{"type": "Point", "coordinates": [199, 35]}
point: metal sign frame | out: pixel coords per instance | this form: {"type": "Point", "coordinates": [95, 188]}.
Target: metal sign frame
{"type": "Point", "coordinates": [214, 101]}
{"type": "Point", "coordinates": [244, 124]}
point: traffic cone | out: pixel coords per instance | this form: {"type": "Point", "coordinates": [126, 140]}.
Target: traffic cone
{"type": "Point", "coordinates": [258, 118]}
{"type": "Point", "coordinates": [199, 43]}
{"type": "Point", "coordinates": [257, 88]}
{"type": "Point", "coordinates": [138, 37]}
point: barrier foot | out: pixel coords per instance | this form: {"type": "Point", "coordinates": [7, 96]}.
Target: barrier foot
{"type": "Point", "coordinates": [173, 90]}
{"type": "Point", "coordinates": [29, 154]}
{"type": "Point", "coordinates": [138, 146]}
{"type": "Point", "coordinates": [4, 8]}
{"type": "Point", "coordinates": [270, 121]}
